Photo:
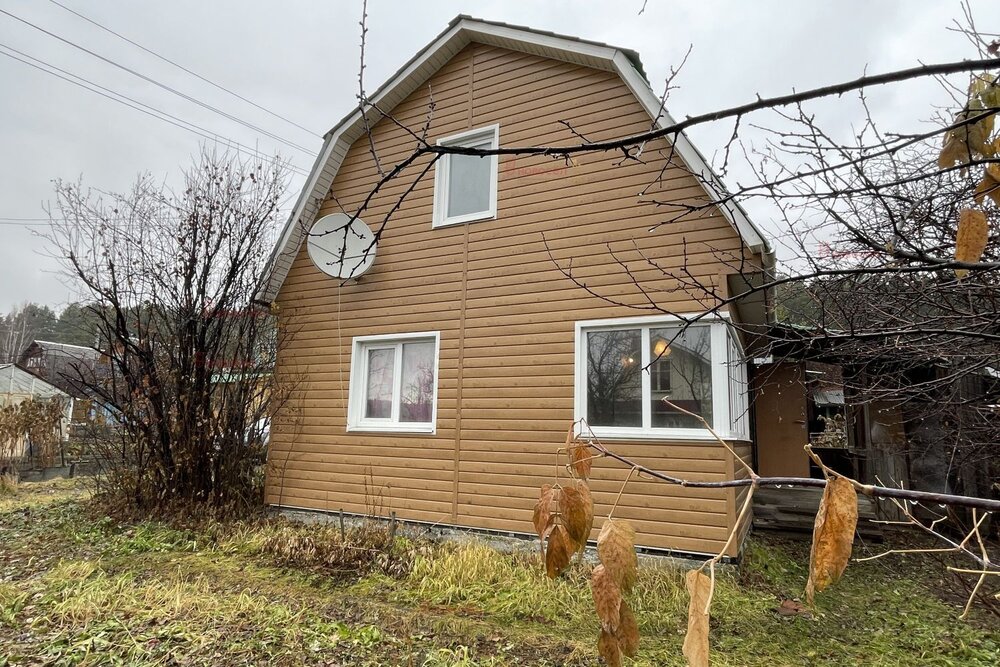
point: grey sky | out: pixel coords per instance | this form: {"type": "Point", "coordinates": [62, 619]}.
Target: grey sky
{"type": "Point", "coordinates": [300, 59]}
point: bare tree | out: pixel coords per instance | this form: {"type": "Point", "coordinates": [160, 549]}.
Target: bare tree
{"type": "Point", "coordinates": [187, 359]}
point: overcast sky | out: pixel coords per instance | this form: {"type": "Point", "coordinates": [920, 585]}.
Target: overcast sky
{"type": "Point", "coordinates": [299, 60]}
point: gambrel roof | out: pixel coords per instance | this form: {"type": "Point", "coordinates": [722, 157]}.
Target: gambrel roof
{"type": "Point", "coordinates": [462, 31]}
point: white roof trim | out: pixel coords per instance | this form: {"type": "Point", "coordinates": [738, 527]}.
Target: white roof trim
{"type": "Point", "coordinates": [459, 34]}
{"type": "Point", "coordinates": [752, 236]}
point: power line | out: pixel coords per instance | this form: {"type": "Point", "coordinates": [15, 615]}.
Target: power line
{"type": "Point", "coordinates": [181, 67]}
{"type": "Point", "coordinates": [45, 222]}
{"type": "Point", "coordinates": [160, 85]}
{"type": "Point", "coordinates": [135, 104]}
{"type": "Point", "coordinates": [138, 106]}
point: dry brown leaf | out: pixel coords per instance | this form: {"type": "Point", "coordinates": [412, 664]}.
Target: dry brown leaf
{"type": "Point", "coordinates": [558, 552]}
{"type": "Point", "coordinates": [973, 232]}
{"type": "Point", "coordinates": [580, 461]}
{"type": "Point", "coordinates": [792, 608]}
{"type": "Point", "coordinates": [833, 535]}
{"type": "Point", "coordinates": [589, 518]}
{"type": "Point", "coordinates": [978, 134]}
{"type": "Point", "coordinates": [616, 549]}
{"type": "Point", "coordinates": [696, 640]}
{"type": "Point", "coordinates": [962, 142]}
{"type": "Point", "coordinates": [577, 509]}
{"type": "Point", "coordinates": [607, 598]}
{"type": "Point", "coordinates": [544, 516]}
{"type": "Point", "coordinates": [607, 646]}
{"type": "Point", "coordinates": [954, 150]}
{"type": "Point", "coordinates": [627, 633]}
{"type": "Point", "coordinates": [989, 186]}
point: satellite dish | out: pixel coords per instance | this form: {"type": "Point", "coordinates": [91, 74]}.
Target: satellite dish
{"type": "Point", "coordinates": [340, 247]}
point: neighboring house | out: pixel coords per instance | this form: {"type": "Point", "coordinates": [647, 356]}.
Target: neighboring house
{"type": "Point", "coordinates": [940, 439]}
{"type": "Point", "coordinates": [18, 385]}
{"type": "Point", "coordinates": [70, 367]}
{"type": "Point", "coordinates": [441, 383]}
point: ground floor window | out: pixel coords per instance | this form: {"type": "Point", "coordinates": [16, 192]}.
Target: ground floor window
{"type": "Point", "coordinates": [393, 383]}
{"type": "Point", "coordinates": [625, 369]}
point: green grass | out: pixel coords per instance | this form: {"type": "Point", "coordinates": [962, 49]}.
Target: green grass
{"type": "Point", "coordinates": [877, 615]}
{"type": "Point", "coordinates": [79, 589]}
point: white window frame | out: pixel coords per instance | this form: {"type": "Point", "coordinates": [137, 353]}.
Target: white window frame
{"type": "Point", "coordinates": [728, 381]}
{"type": "Point", "coordinates": [358, 386]}
{"type": "Point", "coordinates": [441, 174]}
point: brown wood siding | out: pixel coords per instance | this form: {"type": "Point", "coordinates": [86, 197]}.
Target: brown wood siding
{"type": "Point", "coordinates": [505, 313]}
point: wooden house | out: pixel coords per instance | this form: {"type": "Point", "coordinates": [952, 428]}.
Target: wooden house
{"type": "Point", "coordinates": [443, 380]}
{"type": "Point", "coordinates": [71, 368]}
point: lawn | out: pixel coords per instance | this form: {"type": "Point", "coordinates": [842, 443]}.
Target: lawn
{"type": "Point", "coordinates": [76, 588]}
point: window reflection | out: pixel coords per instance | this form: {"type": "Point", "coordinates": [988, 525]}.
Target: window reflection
{"type": "Point", "coordinates": [614, 383]}
{"type": "Point", "coordinates": [416, 398]}
{"type": "Point", "coordinates": [378, 403]}
{"type": "Point", "coordinates": [681, 372]}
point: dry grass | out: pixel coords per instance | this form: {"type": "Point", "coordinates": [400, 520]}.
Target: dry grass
{"type": "Point", "coordinates": [79, 589]}
{"type": "Point", "coordinates": [8, 484]}
{"type": "Point", "coordinates": [360, 549]}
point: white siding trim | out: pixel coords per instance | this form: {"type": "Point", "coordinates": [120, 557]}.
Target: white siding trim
{"type": "Point", "coordinates": [751, 235]}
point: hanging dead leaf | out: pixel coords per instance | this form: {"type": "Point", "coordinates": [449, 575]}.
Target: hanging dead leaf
{"type": "Point", "coordinates": [696, 640]}
{"type": "Point", "coordinates": [954, 150]}
{"type": "Point", "coordinates": [627, 633]}
{"type": "Point", "coordinates": [607, 646]}
{"type": "Point", "coordinates": [577, 508]}
{"type": "Point", "coordinates": [589, 517]}
{"type": "Point", "coordinates": [616, 549]}
{"type": "Point", "coordinates": [607, 598]}
{"type": "Point", "coordinates": [963, 142]}
{"type": "Point", "coordinates": [973, 232]}
{"type": "Point", "coordinates": [833, 535]}
{"type": "Point", "coordinates": [989, 186]}
{"type": "Point", "coordinates": [580, 461]}
{"type": "Point", "coordinates": [545, 510]}
{"type": "Point", "coordinates": [978, 134]}
{"type": "Point", "coordinates": [558, 552]}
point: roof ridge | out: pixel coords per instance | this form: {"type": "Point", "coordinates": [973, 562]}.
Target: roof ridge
{"type": "Point", "coordinates": [53, 342]}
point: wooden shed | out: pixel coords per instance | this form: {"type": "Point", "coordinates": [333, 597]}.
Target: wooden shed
{"type": "Point", "coordinates": [440, 383]}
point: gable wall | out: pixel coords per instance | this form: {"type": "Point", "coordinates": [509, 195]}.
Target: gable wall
{"type": "Point", "coordinates": [505, 313]}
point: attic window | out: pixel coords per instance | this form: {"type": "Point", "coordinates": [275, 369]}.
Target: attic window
{"type": "Point", "coordinates": [465, 186]}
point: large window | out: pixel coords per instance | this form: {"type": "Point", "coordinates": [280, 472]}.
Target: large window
{"type": "Point", "coordinates": [465, 186]}
{"type": "Point", "coordinates": [654, 378]}
{"type": "Point", "coordinates": [394, 383]}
